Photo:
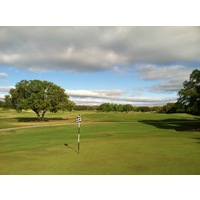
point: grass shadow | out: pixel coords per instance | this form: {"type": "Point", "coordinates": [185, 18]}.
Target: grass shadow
{"type": "Point", "coordinates": [196, 138]}
{"type": "Point", "coordinates": [34, 119]}
{"type": "Point", "coordinates": [175, 124]}
{"type": "Point", "coordinates": [71, 148]}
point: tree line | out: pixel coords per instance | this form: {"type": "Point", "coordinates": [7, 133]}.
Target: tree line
{"type": "Point", "coordinates": [110, 107]}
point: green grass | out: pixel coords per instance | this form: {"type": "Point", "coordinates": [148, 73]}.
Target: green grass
{"type": "Point", "coordinates": [111, 143]}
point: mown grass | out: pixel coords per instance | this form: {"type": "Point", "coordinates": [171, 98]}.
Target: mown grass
{"type": "Point", "coordinates": [111, 143]}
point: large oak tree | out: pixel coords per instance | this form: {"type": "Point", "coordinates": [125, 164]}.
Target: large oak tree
{"type": "Point", "coordinates": [40, 96]}
{"type": "Point", "coordinates": [189, 96]}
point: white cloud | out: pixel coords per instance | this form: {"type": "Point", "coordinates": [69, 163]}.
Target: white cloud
{"type": "Point", "coordinates": [2, 74]}
{"type": "Point", "coordinates": [2, 96]}
{"type": "Point", "coordinates": [87, 49]}
{"type": "Point", "coordinates": [154, 72]}
{"type": "Point", "coordinates": [97, 97]}
{"type": "Point", "coordinates": [6, 88]}
{"type": "Point", "coordinates": [171, 77]}
{"type": "Point", "coordinates": [167, 86]}
{"type": "Point", "coordinates": [102, 94]}
{"type": "Point", "coordinates": [149, 52]}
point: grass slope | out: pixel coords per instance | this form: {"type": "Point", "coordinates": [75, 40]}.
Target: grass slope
{"type": "Point", "coordinates": [111, 143]}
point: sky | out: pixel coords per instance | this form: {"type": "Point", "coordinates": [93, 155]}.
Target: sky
{"type": "Point", "coordinates": [137, 65]}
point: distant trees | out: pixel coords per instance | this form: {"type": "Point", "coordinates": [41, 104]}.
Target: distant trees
{"type": "Point", "coordinates": [107, 107]}
{"type": "Point", "coordinates": [189, 96]}
{"type": "Point", "coordinates": [40, 96]}
{"type": "Point", "coordinates": [7, 102]}
{"type": "Point", "coordinates": [84, 107]}
{"type": "Point", "coordinates": [169, 108]}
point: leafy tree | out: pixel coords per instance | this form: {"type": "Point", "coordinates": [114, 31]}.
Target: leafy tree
{"type": "Point", "coordinates": [1, 104]}
{"type": "Point", "coordinates": [71, 105]}
{"type": "Point", "coordinates": [40, 96]}
{"type": "Point", "coordinates": [85, 107]}
{"type": "Point", "coordinates": [144, 109]}
{"type": "Point", "coordinates": [157, 109]}
{"type": "Point", "coordinates": [106, 107]}
{"type": "Point", "coordinates": [120, 108]}
{"type": "Point", "coordinates": [7, 102]}
{"type": "Point", "coordinates": [189, 96]}
{"type": "Point", "coordinates": [127, 108]}
{"type": "Point", "coordinates": [169, 108]}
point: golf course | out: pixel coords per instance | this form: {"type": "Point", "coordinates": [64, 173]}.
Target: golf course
{"type": "Point", "coordinates": [111, 143]}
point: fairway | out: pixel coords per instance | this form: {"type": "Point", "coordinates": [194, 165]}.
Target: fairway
{"type": "Point", "coordinates": [111, 144]}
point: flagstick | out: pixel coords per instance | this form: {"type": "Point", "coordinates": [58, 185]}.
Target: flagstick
{"type": "Point", "coordinates": [79, 136]}
{"type": "Point", "coordinates": [78, 120]}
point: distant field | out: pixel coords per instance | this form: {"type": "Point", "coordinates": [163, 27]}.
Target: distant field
{"type": "Point", "coordinates": [111, 143]}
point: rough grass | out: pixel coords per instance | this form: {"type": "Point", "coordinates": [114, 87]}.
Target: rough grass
{"type": "Point", "coordinates": [111, 143]}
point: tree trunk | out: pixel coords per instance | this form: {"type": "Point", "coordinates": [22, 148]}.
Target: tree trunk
{"type": "Point", "coordinates": [38, 116]}
{"type": "Point", "coordinates": [37, 113]}
{"type": "Point", "coordinates": [43, 113]}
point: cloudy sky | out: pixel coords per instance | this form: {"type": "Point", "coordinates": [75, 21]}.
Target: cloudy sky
{"type": "Point", "coordinates": [134, 65]}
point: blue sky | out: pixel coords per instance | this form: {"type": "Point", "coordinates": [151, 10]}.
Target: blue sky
{"type": "Point", "coordinates": [134, 65]}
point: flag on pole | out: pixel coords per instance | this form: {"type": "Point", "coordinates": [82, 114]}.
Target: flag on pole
{"type": "Point", "coordinates": [78, 120]}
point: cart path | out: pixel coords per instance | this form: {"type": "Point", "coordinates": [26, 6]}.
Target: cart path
{"type": "Point", "coordinates": [33, 126]}
{"type": "Point", "coordinates": [59, 124]}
